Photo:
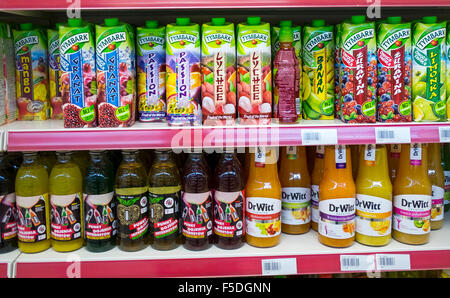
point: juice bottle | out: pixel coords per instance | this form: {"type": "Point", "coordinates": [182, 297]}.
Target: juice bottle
{"type": "Point", "coordinates": [263, 202]}
{"type": "Point", "coordinates": [164, 184]}
{"type": "Point", "coordinates": [446, 159]}
{"type": "Point", "coordinates": [48, 159]}
{"type": "Point", "coordinates": [229, 195]}
{"type": "Point", "coordinates": [355, 149]}
{"type": "Point", "coordinates": [373, 197]}
{"type": "Point", "coordinates": [295, 191]}
{"type": "Point", "coordinates": [9, 69]}
{"type": "Point", "coordinates": [337, 198]}
{"type": "Point", "coordinates": [316, 177]}
{"type": "Point", "coordinates": [8, 216]}
{"type": "Point", "coordinates": [53, 73]}
{"type": "Point", "coordinates": [132, 202]}
{"type": "Point", "coordinates": [100, 213]}
{"type": "Point", "coordinates": [437, 180]}
{"type": "Point", "coordinates": [197, 217]}
{"type": "Point", "coordinates": [394, 159]}
{"type": "Point", "coordinates": [33, 205]}
{"type": "Point", "coordinates": [66, 200]}
{"type": "Point", "coordinates": [412, 196]}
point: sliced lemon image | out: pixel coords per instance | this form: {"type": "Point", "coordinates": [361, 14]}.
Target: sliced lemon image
{"type": "Point", "coordinates": [422, 110]}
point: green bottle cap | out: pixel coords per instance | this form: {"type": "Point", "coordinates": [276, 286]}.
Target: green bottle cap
{"type": "Point", "coordinates": [286, 23]}
{"type": "Point", "coordinates": [318, 23]}
{"type": "Point", "coordinates": [286, 34]}
{"type": "Point", "coordinates": [359, 19]}
{"type": "Point", "coordinates": [76, 22]}
{"type": "Point", "coordinates": [183, 21]}
{"type": "Point", "coordinates": [151, 23]}
{"type": "Point", "coordinates": [429, 19]}
{"type": "Point", "coordinates": [59, 24]}
{"type": "Point", "coordinates": [218, 21]}
{"type": "Point", "coordinates": [394, 20]}
{"type": "Point", "coordinates": [254, 20]}
{"type": "Point", "coordinates": [26, 26]}
{"type": "Point", "coordinates": [111, 22]}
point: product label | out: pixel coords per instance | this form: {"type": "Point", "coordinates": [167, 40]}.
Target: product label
{"type": "Point", "coordinates": [437, 203]}
{"type": "Point", "coordinates": [369, 154]}
{"type": "Point", "coordinates": [32, 218]}
{"type": "Point", "coordinates": [395, 150]}
{"type": "Point", "coordinates": [8, 217]}
{"type": "Point", "coordinates": [291, 152]}
{"type": "Point", "coordinates": [263, 216]}
{"type": "Point", "coordinates": [315, 203]}
{"type": "Point", "coordinates": [164, 214]}
{"type": "Point", "coordinates": [260, 157]}
{"type": "Point", "coordinates": [447, 187]}
{"type": "Point", "coordinates": [337, 218]}
{"type": "Point", "coordinates": [296, 205]}
{"type": "Point", "coordinates": [100, 216]}
{"type": "Point", "coordinates": [373, 215]}
{"type": "Point", "coordinates": [320, 151]}
{"type": "Point", "coordinates": [197, 215]}
{"type": "Point", "coordinates": [229, 210]}
{"type": "Point", "coordinates": [132, 214]}
{"type": "Point", "coordinates": [340, 155]}
{"type": "Point", "coordinates": [65, 217]}
{"type": "Point", "coordinates": [415, 155]}
{"type": "Point", "coordinates": [412, 214]}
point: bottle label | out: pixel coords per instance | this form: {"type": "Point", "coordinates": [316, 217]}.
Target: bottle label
{"type": "Point", "coordinates": [337, 218]}
{"type": "Point", "coordinates": [132, 215]}
{"type": "Point", "coordinates": [8, 217]}
{"type": "Point", "coordinates": [369, 155]}
{"type": "Point", "coordinates": [447, 187]}
{"type": "Point", "coordinates": [373, 215]}
{"type": "Point", "coordinates": [65, 217]}
{"type": "Point", "coordinates": [415, 155]}
{"type": "Point", "coordinates": [340, 156]}
{"type": "Point", "coordinates": [100, 216]}
{"type": "Point", "coordinates": [412, 214]}
{"type": "Point", "coordinates": [291, 152]}
{"type": "Point", "coordinates": [437, 203]}
{"type": "Point", "coordinates": [164, 210]}
{"type": "Point", "coordinates": [32, 218]}
{"type": "Point", "coordinates": [263, 217]}
{"type": "Point", "coordinates": [315, 203]}
{"type": "Point", "coordinates": [295, 205]}
{"type": "Point", "coordinates": [320, 151]}
{"type": "Point", "coordinates": [197, 215]}
{"type": "Point", "coordinates": [229, 210]}
{"type": "Point", "coordinates": [395, 150]}
{"type": "Point", "coordinates": [260, 157]}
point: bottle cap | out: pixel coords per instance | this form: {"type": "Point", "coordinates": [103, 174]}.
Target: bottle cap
{"type": "Point", "coordinates": [111, 22]}
{"type": "Point", "coordinates": [218, 21]}
{"type": "Point", "coordinates": [57, 25]}
{"type": "Point", "coordinates": [26, 26]}
{"type": "Point", "coordinates": [429, 19]}
{"type": "Point", "coordinates": [286, 23]}
{"type": "Point", "coordinates": [394, 20]}
{"type": "Point", "coordinates": [76, 22]}
{"type": "Point", "coordinates": [286, 34]}
{"type": "Point", "coordinates": [254, 20]}
{"type": "Point", "coordinates": [183, 21]}
{"type": "Point", "coordinates": [318, 23]}
{"type": "Point", "coordinates": [359, 19]}
{"type": "Point", "coordinates": [151, 24]}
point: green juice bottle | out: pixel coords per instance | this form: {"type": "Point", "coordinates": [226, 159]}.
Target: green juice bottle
{"type": "Point", "coordinates": [32, 205]}
{"type": "Point", "coordinates": [65, 185]}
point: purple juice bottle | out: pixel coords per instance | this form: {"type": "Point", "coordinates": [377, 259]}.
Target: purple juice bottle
{"type": "Point", "coordinates": [287, 78]}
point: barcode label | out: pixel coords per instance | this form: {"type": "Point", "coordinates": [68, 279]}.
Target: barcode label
{"type": "Point", "coordinates": [319, 137]}
{"type": "Point", "coordinates": [393, 262]}
{"type": "Point", "coordinates": [279, 266]}
{"type": "Point", "coordinates": [357, 262]}
{"type": "Point", "coordinates": [444, 134]}
{"type": "Point", "coordinates": [384, 135]}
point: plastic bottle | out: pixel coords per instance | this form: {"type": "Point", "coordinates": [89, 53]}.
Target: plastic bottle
{"type": "Point", "coordinates": [8, 216]}
{"type": "Point", "coordinates": [33, 205]}
{"type": "Point", "coordinates": [296, 191]}
{"type": "Point", "coordinates": [446, 159]}
{"type": "Point", "coordinates": [337, 198]}
{"type": "Point", "coordinates": [287, 78]}
{"type": "Point", "coordinates": [48, 159]}
{"type": "Point", "coordinates": [436, 176]}
{"type": "Point", "coordinates": [132, 202]}
{"type": "Point", "coordinates": [412, 196]}
{"type": "Point", "coordinates": [100, 220]}
{"type": "Point", "coordinates": [197, 217]}
{"type": "Point", "coordinates": [65, 187]}
{"type": "Point", "coordinates": [165, 199]}
{"type": "Point", "coordinates": [229, 191]}
{"type": "Point", "coordinates": [316, 177]}
{"type": "Point", "coordinates": [263, 204]}
{"type": "Point", "coordinates": [373, 197]}
{"type": "Point", "coordinates": [394, 159]}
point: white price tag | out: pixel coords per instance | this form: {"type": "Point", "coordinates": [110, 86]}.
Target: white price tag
{"type": "Point", "coordinates": [357, 262]}
{"type": "Point", "coordinates": [319, 136]}
{"type": "Point", "coordinates": [279, 266]}
{"type": "Point", "coordinates": [393, 262]}
{"type": "Point", "coordinates": [444, 134]}
{"type": "Point", "coordinates": [386, 135]}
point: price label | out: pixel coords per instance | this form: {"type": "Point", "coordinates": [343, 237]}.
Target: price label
{"type": "Point", "coordinates": [279, 266]}
{"type": "Point", "coordinates": [386, 135]}
{"type": "Point", "coordinates": [357, 262]}
{"type": "Point", "coordinates": [393, 262]}
{"type": "Point", "coordinates": [319, 136]}
{"type": "Point", "coordinates": [444, 134]}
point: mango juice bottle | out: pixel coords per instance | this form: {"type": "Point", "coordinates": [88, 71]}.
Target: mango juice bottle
{"type": "Point", "coordinates": [373, 197]}
{"type": "Point", "coordinates": [263, 204]}
{"type": "Point", "coordinates": [412, 196]}
{"type": "Point", "coordinates": [32, 205]}
{"type": "Point", "coordinates": [316, 177]}
{"type": "Point", "coordinates": [337, 198]}
{"type": "Point", "coordinates": [296, 191]}
{"type": "Point", "coordinates": [394, 159]}
{"type": "Point", "coordinates": [437, 180]}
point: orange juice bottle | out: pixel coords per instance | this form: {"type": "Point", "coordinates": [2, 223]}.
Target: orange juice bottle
{"type": "Point", "coordinates": [394, 159]}
{"type": "Point", "coordinates": [337, 198]}
{"type": "Point", "coordinates": [373, 197]}
{"type": "Point", "coordinates": [263, 202]}
{"type": "Point", "coordinates": [296, 191]}
{"type": "Point", "coordinates": [316, 177]}
{"type": "Point", "coordinates": [412, 196]}
{"type": "Point", "coordinates": [354, 150]}
{"type": "Point", "coordinates": [437, 180]}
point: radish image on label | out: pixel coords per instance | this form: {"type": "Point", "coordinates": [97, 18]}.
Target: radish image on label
{"type": "Point", "coordinates": [296, 205]}
{"type": "Point", "coordinates": [263, 217]}
{"type": "Point", "coordinates": [373, 215]}
{"type": "Point", "coordinates": [337, 218]}
{"type": "Point", "coordinates": [412, 214]}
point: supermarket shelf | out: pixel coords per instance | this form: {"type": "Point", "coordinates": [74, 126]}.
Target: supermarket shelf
{"type": "Point", "coordinates": [51, 135]}
{"type": "Point", "coordinates": [7, 263]}
{"type": "Point", "coordinates": [308, 255]}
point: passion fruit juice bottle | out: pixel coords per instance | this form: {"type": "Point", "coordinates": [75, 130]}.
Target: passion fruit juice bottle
{"type": "Point", "coordinates": [33, 205]}
{"type": "Point", "coordinates": [164, 186]}
{"type": "Point", "coordinates": [132, 202]}
{"type": "Point", "coordinates": [437, 180]}
{"type": "Point", "coordinates": [8, 224]}
{"type": "Point", "coordinates": [66, 200]}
